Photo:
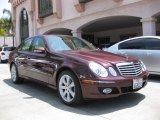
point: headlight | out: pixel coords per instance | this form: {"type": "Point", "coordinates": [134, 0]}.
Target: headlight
{"type": "Point", "coordinates": [143, 66]}
{"type": "Point", "coordinates": [98, 69]}
{"type": "Point", "coordinates": [112, 71]}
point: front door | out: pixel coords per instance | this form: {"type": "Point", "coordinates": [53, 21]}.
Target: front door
{"type": "Point", "coordinates": [21, 61]}
{"type": "Point", "coordinates": [37, 61]}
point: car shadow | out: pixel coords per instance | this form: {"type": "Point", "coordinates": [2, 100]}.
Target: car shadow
{"type": "Point", "coordinates": [154, 78]}
{"type": "Point", "coordinates": [90, 107]}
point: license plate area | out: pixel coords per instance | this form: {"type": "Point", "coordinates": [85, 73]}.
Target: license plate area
{"type": "Point", "coordinates": [137, 83]}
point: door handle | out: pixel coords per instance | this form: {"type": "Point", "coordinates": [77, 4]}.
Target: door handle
{"type": "Point", "coordinates": [24, 61]}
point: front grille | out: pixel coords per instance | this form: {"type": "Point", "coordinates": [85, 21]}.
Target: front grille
{"type": "Point", "coordinates": [130, 68]}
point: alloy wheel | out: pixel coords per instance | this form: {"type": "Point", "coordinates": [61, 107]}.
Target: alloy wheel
{"type": "Point", "coordinates": [67, 88]}
{"type": "Point", "coordinates": [13, 73]}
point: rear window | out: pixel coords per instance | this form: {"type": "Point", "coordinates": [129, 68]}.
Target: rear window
{"type": "Point", "coordinates": [8, 48]}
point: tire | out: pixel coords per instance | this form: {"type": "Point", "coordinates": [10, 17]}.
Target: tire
{"type": "Point", "coordinates": [1, 61]}
{"type": "Point", "coordinates": [69, 89]}
{"type": "Point", "coordinates": [14, 75]}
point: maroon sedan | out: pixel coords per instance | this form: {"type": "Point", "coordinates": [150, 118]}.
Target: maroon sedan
{"type": "Point", "coordinates": [76, 68]}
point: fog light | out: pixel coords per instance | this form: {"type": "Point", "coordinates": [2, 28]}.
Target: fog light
{"type": "Point", "coordinates": [107, 90]}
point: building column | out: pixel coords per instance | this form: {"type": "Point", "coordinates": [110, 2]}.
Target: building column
{"type": "Point", "coordinates": [77, 33]}
{"type": "Point", "coordinates": [149, 26]}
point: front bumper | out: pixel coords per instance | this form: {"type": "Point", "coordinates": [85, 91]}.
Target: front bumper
{"type": "Point", "coordinates": [119, 86]}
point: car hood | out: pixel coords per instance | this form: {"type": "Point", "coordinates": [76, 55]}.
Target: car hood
{"type": "Point", "coordinates": [97, 56]}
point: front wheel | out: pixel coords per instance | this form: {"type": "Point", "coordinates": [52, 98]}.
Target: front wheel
{"type": "Point", "coordinates": [14, 74]}
{"type": "Point", "coordinates": [69, 88]}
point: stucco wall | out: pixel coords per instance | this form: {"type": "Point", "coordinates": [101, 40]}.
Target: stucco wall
{"type": "Point", "coordinates": [8, 41]}
{"type": "Point", "coordinates": [94, 10]}
{"type": "Point", "coordinates": [73, 20]}
{"type": "Point", "coordinates": [25, 5]}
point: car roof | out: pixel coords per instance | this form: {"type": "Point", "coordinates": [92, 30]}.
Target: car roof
{"type": "Point", "coordinates": [158, 37]}
{"type": "Point", "coordinates": [58, 35]}
{"type": "Point", "coordinates": [114, 45]}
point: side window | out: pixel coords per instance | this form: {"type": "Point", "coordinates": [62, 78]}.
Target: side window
{"type": "Point", "coordinates": [26, 45]}
{"type": "Point", "coordinates": [153, 44]}
{"type": "Point", "coordinates": [133, 44]}
{"type": "Point", "coordinates": [38, 46]}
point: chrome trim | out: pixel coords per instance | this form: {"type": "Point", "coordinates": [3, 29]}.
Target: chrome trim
{"type": "Point", "coordinates": [129, 69]}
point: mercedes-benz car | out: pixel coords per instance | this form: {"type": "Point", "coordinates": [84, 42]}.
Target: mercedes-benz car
{"type": "Point", "coordinates": [75, 68]}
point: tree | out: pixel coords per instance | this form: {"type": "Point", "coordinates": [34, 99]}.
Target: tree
{"type": "Point", "coordinates": [7, 23]}
{"type": "Point", "coordinates": [3, 28]}
{"type": "Point", "coordinates": [9, 18]}
{"type": "Point", "coordinates": [2, 32]}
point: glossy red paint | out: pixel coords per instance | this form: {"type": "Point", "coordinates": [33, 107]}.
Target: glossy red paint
{"type": "Point", "coordinates": [47, 67]}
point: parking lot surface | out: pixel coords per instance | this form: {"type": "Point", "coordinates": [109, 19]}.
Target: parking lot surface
{"type": "Point", "coordinates": [32, 101]}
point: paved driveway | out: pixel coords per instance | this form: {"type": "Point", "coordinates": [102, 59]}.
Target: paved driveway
{"type": "Point", "coordinates": [31, 101]}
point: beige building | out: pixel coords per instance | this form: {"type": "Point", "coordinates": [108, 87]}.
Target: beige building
{"type": "Point", "coordinates": [6, 41]}
{"type": "Point", "coordinates": [98, 21]}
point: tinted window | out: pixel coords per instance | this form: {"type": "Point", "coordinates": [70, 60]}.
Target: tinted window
{"type": "Point", "coordinates": [26, 45]}
{"type": "Point", "coordinates": [0, 49]}
{"type": "Point", "coordinates": [153, 44]}
{"type": "Point", "coordinates": [38, 45]}
{"type": "Point", "coordinates": [133, 44]}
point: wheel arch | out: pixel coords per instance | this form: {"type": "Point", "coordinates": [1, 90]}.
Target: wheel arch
{"type": "Point", "coordinates": [65, 68]}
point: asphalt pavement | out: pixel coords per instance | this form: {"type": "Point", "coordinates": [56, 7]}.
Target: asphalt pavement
{"type": "Point", "coordinates": [32, 101]}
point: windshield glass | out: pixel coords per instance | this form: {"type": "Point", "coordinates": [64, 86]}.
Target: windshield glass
{"type": "Point", "coordinates": [68, 43]}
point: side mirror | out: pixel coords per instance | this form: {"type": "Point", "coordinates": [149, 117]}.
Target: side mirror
{"type": "Point", "coordinates": [40, 50]}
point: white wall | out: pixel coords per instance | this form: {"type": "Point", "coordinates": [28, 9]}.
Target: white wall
{"type": "Point", "coordinates": [8, 41]}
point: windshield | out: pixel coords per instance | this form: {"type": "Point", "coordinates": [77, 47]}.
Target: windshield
{"type": "Point", "coordinates": [68, 43]}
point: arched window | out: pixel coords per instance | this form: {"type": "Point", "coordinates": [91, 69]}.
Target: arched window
{"type": "Point", "coordinates": [45, 8]}
{"type": "Point", "coordinates": [24, 28]}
